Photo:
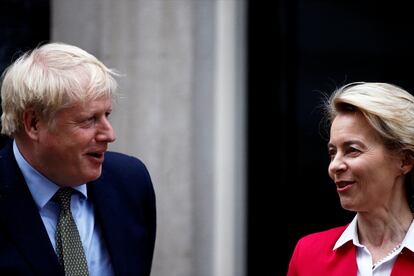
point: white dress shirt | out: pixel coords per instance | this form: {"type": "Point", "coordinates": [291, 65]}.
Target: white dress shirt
{"type": "Point", "coordinates": [42, 190]}
{"type": "Point", "coordinates": [364, 258]}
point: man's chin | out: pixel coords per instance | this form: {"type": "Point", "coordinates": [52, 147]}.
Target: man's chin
{"type": "Point", "coordinates": [90, 176]}
{"type": "Point", "coordinates": [94, 176]}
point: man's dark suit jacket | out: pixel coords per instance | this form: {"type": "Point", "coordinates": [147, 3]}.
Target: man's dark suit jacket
{"type": "Point", "coordinates": [124, 203]}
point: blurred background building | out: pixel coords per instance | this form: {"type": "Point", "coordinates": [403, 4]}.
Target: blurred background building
{"type": "Point", "coordinates": [220, 99]}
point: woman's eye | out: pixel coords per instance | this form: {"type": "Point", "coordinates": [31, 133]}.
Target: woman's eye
{"type": "Point", "coordinates": [353, 151]}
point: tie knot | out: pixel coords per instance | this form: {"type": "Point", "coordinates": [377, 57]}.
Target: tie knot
{"type": "Point", "coordinates": [63, 196]}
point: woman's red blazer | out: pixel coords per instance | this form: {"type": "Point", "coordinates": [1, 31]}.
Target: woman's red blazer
{"type": "Point", "coordinates": [314, 255]}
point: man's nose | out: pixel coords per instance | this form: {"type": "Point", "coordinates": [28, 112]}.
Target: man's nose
{"type": "Point", "coordinates": [106, 132]}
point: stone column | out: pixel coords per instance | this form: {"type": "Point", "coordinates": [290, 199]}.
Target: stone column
{"type": "Point", "coordinates": [181, 111]}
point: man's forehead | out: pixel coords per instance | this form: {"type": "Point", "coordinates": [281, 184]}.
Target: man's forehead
{"type": "Point", "coordinates": [98, 102]}
{"type": "Point", "coordinates": [104, 103]}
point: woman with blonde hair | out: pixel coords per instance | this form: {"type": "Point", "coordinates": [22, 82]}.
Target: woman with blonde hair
{"type": "Point", "coordinates": [371, 149]}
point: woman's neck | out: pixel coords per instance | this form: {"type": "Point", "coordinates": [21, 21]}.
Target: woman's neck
{"type": "Point", "coordinates": [383, 227]}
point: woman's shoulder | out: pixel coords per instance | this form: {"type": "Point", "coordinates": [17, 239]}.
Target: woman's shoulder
{"type": "Point", "coordinates": [337, 231]}
{"type": "Point", "coordinates": [314, 254]}
{"type": "Point", "coordinates": [321, 239]}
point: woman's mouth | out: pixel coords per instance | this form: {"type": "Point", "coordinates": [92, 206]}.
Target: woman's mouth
{"type": "Point", "coordinates": [343, 186]}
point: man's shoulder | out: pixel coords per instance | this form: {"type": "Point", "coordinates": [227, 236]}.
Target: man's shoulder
{"type": "Point", "coordinates": [131, 176]}
{"type": "Point", "coordinates": [120, 163]}
{"type": "Point", "coordinates": [6, 148]}
{"type": "Point", "coordinates": [114, 154]}
{"type": "Point", "coordinates": [113, 158]}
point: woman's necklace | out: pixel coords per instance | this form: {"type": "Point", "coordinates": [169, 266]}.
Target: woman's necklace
{"type": "Point", "coordinates": [386, 256]}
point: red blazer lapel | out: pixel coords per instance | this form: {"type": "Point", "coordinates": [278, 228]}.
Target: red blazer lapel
{"type": "Point", "coordinates": [343, 261]}
{"type": "Point", "coordinates": [404, 265]}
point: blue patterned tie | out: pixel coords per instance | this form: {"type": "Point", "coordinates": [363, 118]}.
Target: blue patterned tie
{"type": "Point", "coordinates": [69, 247]}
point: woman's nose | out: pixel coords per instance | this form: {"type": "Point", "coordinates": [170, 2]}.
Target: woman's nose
{"type": "Point", "coordinates": [337, 165]}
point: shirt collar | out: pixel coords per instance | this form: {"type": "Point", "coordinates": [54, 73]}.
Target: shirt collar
{"type": "Point", "coordinates": [351, 234]}
{"type": "Point", "coordinates": [41, 188]}
{"type": "Point", "coordinates": [408, 241]}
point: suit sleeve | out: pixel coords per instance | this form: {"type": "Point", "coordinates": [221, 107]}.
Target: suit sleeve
{"type": "Point", "coordinates": [150, 213]}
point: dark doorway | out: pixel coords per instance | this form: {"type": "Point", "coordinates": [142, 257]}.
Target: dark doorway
{"type": "Point", "coordinates": [24, 24]}
{"type": "Point", "coordinates": [298, 51]}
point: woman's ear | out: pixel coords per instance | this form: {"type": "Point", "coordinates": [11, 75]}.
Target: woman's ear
{"type": "Point", "coordinates": [31, 120]}
{"type": "Point", "coordinates": [407, 162]}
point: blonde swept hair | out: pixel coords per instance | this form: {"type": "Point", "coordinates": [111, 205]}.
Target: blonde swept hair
{"type": "Point", "coordinates": [50, 78]}
{"type": "Point", "coordinates": [388, 108]}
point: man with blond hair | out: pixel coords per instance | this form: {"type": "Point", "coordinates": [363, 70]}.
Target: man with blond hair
{"type": "Point", "coordinates": [67, 205]}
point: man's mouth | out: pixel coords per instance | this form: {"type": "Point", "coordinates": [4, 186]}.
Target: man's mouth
{"type": "Point", "coordinates": [95, 154]}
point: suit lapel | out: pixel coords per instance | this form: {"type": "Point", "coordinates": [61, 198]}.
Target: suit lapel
{"type": "Point", "coordinates": [120, 217]}
{"type": "Point", "coordinates": [111, 217]}
{"type": "Point", "coordinates": [21, 220]}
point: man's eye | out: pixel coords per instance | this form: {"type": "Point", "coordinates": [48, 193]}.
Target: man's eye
{"type": "Point", "coordinates": [88, 121]}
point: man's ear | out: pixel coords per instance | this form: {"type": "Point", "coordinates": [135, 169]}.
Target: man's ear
{"type": "Point", "coordinates": [407, 162]}
{"type": "Point", "coordinates": [31, 121]}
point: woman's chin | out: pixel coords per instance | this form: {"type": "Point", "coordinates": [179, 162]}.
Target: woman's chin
{"type": "Point", "coordinates": [347, 205]}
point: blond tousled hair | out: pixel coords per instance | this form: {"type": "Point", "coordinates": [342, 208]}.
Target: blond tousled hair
{"type": "Point", "coordinates": [50, 78]}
